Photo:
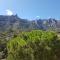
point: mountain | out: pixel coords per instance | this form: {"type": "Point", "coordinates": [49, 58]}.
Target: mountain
{"type": "Point", "coordinates": [13, 22]}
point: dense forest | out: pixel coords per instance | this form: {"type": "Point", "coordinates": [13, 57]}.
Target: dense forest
{"type": "Point", "coordinates": [31, 45]}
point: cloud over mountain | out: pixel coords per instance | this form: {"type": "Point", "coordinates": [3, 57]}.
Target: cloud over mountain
{"type": "Point", "coordinates": [9, 12]}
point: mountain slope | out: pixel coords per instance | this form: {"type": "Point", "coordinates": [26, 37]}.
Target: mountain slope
{"type": "Point", "coordinates": [15, 23]}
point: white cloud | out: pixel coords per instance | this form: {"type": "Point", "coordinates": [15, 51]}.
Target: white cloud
{"type": "Point", "coordinates": [38, 16]}
{"type": "Point", "coordinates": [9, 12]}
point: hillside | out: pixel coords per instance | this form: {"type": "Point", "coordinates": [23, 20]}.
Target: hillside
{"type": "Point", "coordinates": [13, 22]}
{"type": "Point", "coordinates": [31, 45]}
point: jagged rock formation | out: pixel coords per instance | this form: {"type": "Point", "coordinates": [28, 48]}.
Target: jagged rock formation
{"type": "Point", "coordinates": [13, 22]}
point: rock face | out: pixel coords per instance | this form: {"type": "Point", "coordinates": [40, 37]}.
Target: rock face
{"type": "Point", "coordinates": [15, 23]}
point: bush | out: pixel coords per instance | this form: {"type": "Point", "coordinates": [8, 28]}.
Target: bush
{"type": "Point", "coordinates": [34, 45]}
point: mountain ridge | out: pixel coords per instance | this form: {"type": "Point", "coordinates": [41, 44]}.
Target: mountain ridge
{"type": "Point", "coordinates": [13, 22]}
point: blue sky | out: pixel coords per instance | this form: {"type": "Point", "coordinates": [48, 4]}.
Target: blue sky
{"type": "Point", "coordinates": [31, 9]}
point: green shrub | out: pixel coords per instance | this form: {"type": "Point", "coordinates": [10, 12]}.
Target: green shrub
{"type": "Point", "coordinates": [34, 45]}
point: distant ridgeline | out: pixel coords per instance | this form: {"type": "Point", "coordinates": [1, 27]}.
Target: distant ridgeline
{"type": "Point", "coordinates": [14, 23]}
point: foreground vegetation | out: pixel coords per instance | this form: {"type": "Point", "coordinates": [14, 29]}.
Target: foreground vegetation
{"type": "Point", "coordinates": [33, 45]}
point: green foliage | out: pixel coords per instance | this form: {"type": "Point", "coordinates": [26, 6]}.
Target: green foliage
{"type": "Point", "coordinates": [34, 45]}
{"type": "Point", "coordinates": [14, 47]}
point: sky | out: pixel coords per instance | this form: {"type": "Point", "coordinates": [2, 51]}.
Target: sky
{"type": "Point", "coordinates": [31, 9]}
